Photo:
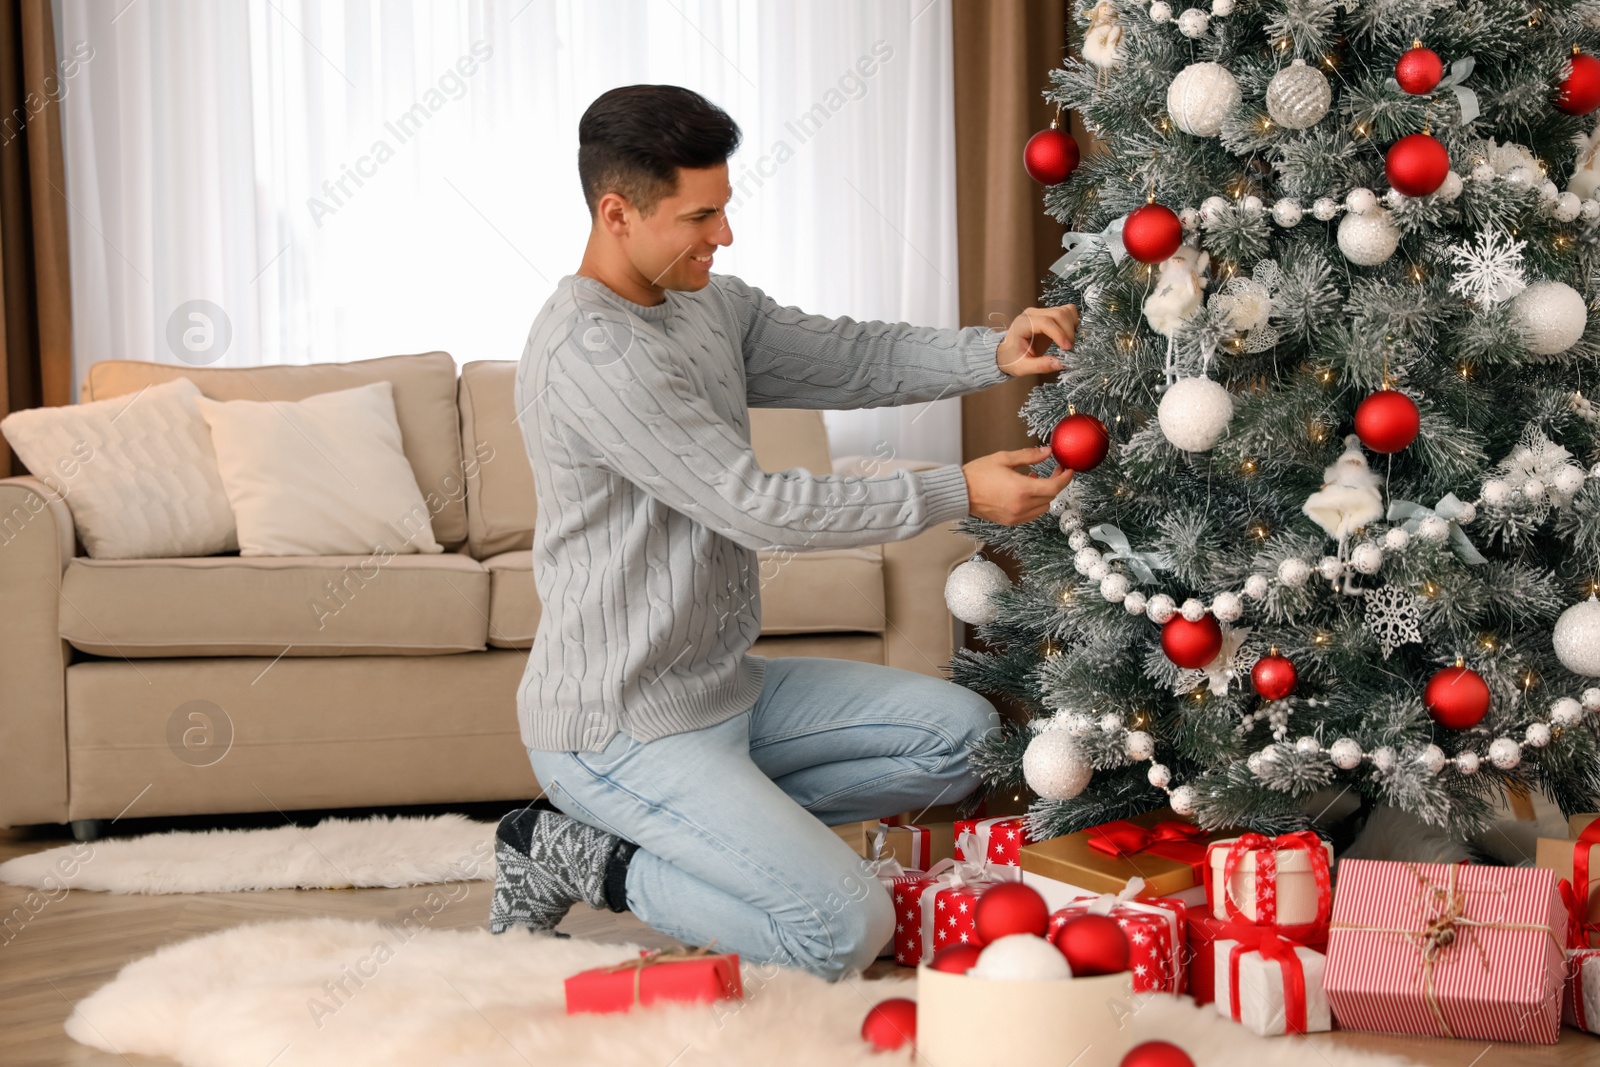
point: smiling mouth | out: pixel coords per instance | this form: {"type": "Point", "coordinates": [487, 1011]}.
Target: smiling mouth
{"type": "Point", "coordinates": [704, 261]}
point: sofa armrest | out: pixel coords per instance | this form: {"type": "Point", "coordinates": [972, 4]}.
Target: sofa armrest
{"type": "Point", "coordinates": [37, 541]}
{"type": "Point", "coordinates": [921, 634]}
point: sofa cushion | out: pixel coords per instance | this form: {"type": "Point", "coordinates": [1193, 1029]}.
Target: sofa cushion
{"type": "Point", "coordinates": [499, 482]}
{"type": "Point", "coordinates": [424, 402]}
{"type": "Point", "coordinates": [385, 604]}
{"type": "Point", "coordinates": [829, 592]}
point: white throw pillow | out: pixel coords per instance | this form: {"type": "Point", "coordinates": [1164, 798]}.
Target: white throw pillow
{"type": "Point", "coordinates": [137, 472]}
{"type": "Point", "coordinates": [323, 476]}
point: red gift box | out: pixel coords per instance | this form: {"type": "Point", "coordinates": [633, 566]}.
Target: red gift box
{"type": "Point", "coordinates": [1156, 937]}
{"type": "Point", "coordinates": [1447, 950]}
{"type": "Point", "coordinates": [681, 975]}
{"type": "Point", "coordinates": [937, 908]}
{"type": "Point", "coordinates": [1205, 930]}
{"type": "Point", "coordinates": [997, 840]}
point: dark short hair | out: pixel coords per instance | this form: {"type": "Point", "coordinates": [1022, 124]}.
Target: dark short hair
{"type": "Point", "coordinates": [633, 139]}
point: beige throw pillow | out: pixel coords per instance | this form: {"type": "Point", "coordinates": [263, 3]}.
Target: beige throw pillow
{"type": "Point", "coordinates": [323, 476]}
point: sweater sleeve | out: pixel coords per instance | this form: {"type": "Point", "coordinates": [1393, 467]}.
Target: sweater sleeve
{"type": "Point", "coordinates": [637, 412]}
{"type": "Point", "coordinates": [796, 360]}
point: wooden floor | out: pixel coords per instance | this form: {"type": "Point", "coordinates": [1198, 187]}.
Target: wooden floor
{"type": "Point", "coordinates": [78, 942]}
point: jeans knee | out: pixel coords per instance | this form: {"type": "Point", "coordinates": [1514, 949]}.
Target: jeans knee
{"type": "Point", "coordinates": [970, 719]}
{"type": "Point", "coordinates": [844, 934]}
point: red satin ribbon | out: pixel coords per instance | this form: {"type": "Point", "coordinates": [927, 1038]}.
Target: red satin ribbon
{"type": "Point", "coordinates": [1267, 873]}
{"type": "Point", "coordinates": [1294, 979]}
{"type": "Point", "coordinates": [1584, 928]}
{"type": "Point", "coordinates": [1180, 842]}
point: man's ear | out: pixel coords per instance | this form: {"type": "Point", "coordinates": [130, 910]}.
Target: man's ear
{"type": "Point", "coordinates": [612, 213]}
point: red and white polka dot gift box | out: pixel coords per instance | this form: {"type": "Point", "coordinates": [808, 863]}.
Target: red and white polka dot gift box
{"type": "Point", "coordinates": [998, 840]}
{"type": "Point", "coordinates": [1156, 937]}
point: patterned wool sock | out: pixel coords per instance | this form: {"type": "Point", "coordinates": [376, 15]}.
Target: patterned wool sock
{"type": "Point", "coordinates": [546, 862]}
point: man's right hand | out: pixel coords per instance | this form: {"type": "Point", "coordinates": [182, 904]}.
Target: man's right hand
{"type": "Point", "coordinates": [1000, 493]}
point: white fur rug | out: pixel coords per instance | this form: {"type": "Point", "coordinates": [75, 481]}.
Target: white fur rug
{"type": "Point", "coordinates": [378, 852]}
{"type": "Point", "coordinates": [332, 992]}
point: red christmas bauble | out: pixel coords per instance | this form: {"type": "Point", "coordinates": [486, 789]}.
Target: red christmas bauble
{"type": "Point", "coordinates": [1274, 676]}
{"type": "Point", "coordinates": [1079, 442]}
{"type": "Point", "coordinates": [1050, 156]}
{"type": "Point", "coordinates": [1579, 91]}
{"type": "Point", "coordinates": [956, 959]}
{"type": "Point", "coordinates": [1457, 698]}
{"type": "Point", "coordinates": [1093, 944]}
{"type": "Point", "coordinates": [1152, 233]}
{"type": "Point", "coordinates": [1157, 1054]}
{"type": "Point", "coordinates": [1387, 421]}
{"type": "Point", "coordinates": [1416, 165]}
{"type": "Point", "coordinates": [1191, 644]}
{"type": "Point", "coordinates": [891, 1023]}
{"type": "Point", "coordinates": [1419, 70]}
{"type": "Point", "coordinates": [1010, 908]}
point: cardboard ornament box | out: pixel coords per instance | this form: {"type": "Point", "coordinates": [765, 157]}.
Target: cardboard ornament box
{"type": "Point", "coordinates": [984, 1022]}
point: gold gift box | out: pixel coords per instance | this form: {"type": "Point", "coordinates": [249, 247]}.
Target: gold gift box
{"type": "Point", "coordinates": [898, 841]}
{"type": "Point", "coordinates": [1070, 859]}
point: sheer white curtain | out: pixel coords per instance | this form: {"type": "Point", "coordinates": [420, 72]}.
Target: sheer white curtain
{"type": "Point", "coordinates": [337, 181]}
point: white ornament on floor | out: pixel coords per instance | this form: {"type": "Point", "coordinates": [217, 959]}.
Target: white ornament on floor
{"type": "Point", "coordinates": [1201, 96]}
{"type": "Point", "coordinates": [969, 590]}
{"type": "Point", "coordinates": [1194, 413]}
{"type": "Point", "coordinates": [1054, 766]}
{"type": "Point", "coordinates": [1021, 958]}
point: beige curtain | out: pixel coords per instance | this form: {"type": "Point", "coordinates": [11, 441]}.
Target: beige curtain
{"type": "Point", "coordinates": [35, 289]}
{"type": "Point", "coordinates": [1004, 51]}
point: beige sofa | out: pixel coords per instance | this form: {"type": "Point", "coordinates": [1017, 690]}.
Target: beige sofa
{"type": "Point", "coordinates": [224, 684]}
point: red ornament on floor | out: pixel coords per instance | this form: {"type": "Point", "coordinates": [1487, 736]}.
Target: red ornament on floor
{"type": "Point", "coordinates": [956, 959]}
{"type": "Point", "coordinates": [1274, 676]}
{"type": "Point", "coordinates": [1457, 697]}
{"type": "Point", "coordinates": [1157, 1054]}
{"type": "Point", "coordinates": [1093, 945]}
{"type": "Point", "coordinates": [1579, 91]}
{"type": "Point", "coordinates": [1416, 165]}
{"type": "Point", "coordinates": [891, 1024]}
{"type": "Point", "coordinates": [1419, 70]}
{"type": "Point", "coordinates": [1050, 156]}
{"type": "Point", "coordinates": [1191, 644]}
{"type": "Point", "coordinates": [1387, 421]}
{"type": "Point", "coordinates": [1079, 442]}
{"type": "Point", "coordinates": [1011, 908]}
{"type": "Point", "coordinates": [1152, 233]}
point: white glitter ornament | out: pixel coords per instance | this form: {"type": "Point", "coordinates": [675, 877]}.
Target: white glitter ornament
{"type": "Point", "coordinates": [1099, 571]}
{"type": "Point", "coordinates": [1077, 724]}
{"type": "Point", "coordinates": [1160, 12]}
{"type": "Point", "coordinates": [1393, 198]}
{"type": "Point", "coordinates": [1194, 413]}
{"type": "Point", "coordinates": [1451, 188]}
{"type": "Point", "coordinates": [1054, 766]}
{"type": "Point", "coordinates": [1110, 722]}
{"type": "Point", "coordinates": [1566, 712]}
{"type": "Point", "coordinates": [1307, 746]}
{"type": "Point", "coordinates": [1589, 210]}
{"type": "Point", "coordinates": [1287, 212]}
{"type": "Point", "coordinates": [1020, 958]}
{"type": "Point", "coordinates": [1251, 204]}
{"type": "Point", "coordinates": [1567, 480]}
{"type": "Point", "coordinates": [1325, 208]}
{"type": "Point", "coordinates": [1193, 23]}
{"type": "Point", "coordinates": [1181, 800]}
{"type": "Point", "coordinates": [1396, 539]}
{"type": "Point", "coordinates": [969, 590]}
{"type": "Point", "coordinates": [1158, 775]}
{"type": "Point", "coordinates": [1330, 567]}
{"type": "Point", "coordinates": [1139, 745]}
{"type": "Point", "coordinates": [1496, 491]}
{"type": "Point", "coordinates": [1576, 638]}
{"type": "Point", "coordinates": [1345, 753]}
{"type": "Point", "coordinates": [1255, 763]}
{"type": "Point", "coordinates": [1114, 588]}
{"type": "Point", "coordinates": [1227, 607]}
{"type": "Point", "coordinates": [1134, 603]}
{"type": "Point", "coordinates": [1360, 201]}
{"type": "Point", "coordinates": [1368, 239]}
{"type": "Point", "coordinates": [1552, 316]}
{"type": "Point", "coordinates": [1079, 540]}
{"type": "Point", "coordinates": [1482, 172]}
{"type": "Point", "coordinates": [1466, 514]}
{"type": "Point", "coordinates": [1432, 759]}
{"type": "Point", "coordinates": [1505, 753]}
{"type": "Point", "coordinates": [1293, 572]}
{"type": "Point", "coordinates": [1222, 8]}
{"type": "Point", "coordinates": [1434, 529]}
{"type": "Point", "coordinates": [1200, 97]}
{"type": "Point", "coordinates": [1085, 558]}
{"type": "Point", "coordinates": [1567, 207]}
{"type": "Point", "coordinates": [1298, 96]}
{"type": "Point", "coordinates": [1467, 762]}
{"type": "Point", "coordinates": [1537, 735]}
{"type": "Point", "coordinates": [1255, 587]}
{"type": "Point", "coordinates": [1591, 700]}
{"type": "Point", "coordinates": [1383, 759]}
{"type": "Point", "coordinates": [1367, 557]}
{"type": "Point", "coordinates": [1160, 609]}
{"type": "Point", "coordinates": [1193, 610]}
{"type": "Point", "coordinates": [1533, 489]}
{"type": "Point", "coordinates": [1071, 523]}
{"type": "Point", "coordinates": [1548, 192]}
{"type": "Point", "coordinates": [1212, 209]}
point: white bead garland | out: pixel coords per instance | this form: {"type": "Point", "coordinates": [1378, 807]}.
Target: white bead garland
{"type": "Point", "coordinates": [1193, 610]}
{"type": "Point", "coordinates": [1505, 753]}
{"type": "Point", "coordinates": [1160, 609]}
{"type": "Point", "coordinates": [1345, 753]}
{"type": "Point", "coordinates": [1367, 558]}
{"type": "Point", "coordinates": [1293, 572]}
{"type": "Point", "coordinates": [1255, 587]}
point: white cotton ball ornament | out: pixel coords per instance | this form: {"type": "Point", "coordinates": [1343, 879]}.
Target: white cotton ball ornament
{"type": "Point", "coordinates": [1450, 189]}
{"type": "Point", "coordinates": [1345, 754]}
{"type": "Point", "coordinates": [1158, 775]}
{"type": "Point", "coordinates": [1182, 799]}
{"type": "Point", "coordinates": [1194, 414]}
{"type": "Point", "coordinates": [1496, 491]}
{"type": "Point", "coordinates": [1193, 610]}
{"type": "Point", "coordinates": [1567, 207]}
{"type": "Point", "coordinates": [1114, 588]}
{"type": "Point", "coordinates": [1537, 735]}
{"type": "Point", "coordinates": [1576, 638]}
{"type": "Point", "coordinates": [1566, 712]}
{"type": "Point", "coordinates": [1193, 23]}
{"type": "Point", "coordinates": [1160, 609]}
{"type": "Point", "coordinates": [1139, 745]}
{"type": "Point", "coordinates": [1287, 212]}
{"type": "Point", "coordinates": [1396, 539]}
{"type": "Point", "coordinates": [1330, 567]}
{"type": "Point", "coordinates": [1134, 603]}
{"type": "Point", "coordinates": [1432, 758]}
{"type": "Point", "coordinates": [1298, 96]}
{"type": "Point", "coordinates": [970, 589]}
{"type": "Point", "coordinates": [1227, 607]}
{"type": "Point", "coordinates": [1255, 587]}
{"type": "Point", "coordinates": [1368, 239]}
{"type": "Point", "coordinates": [1020, 958]}
{"type": "Point", "coordinates": [1360, 201]}
{"type": "Point", "coordinates": [1200, 97]}
{"type": "Point", "coordinates": [1294, 572]}
{"type": "Point", "coordinates": [1085, 558]}
{"type": "Point", "coordinates": [1467, 762]}
{"type": "Point", "coordinates": [1591, 699]}
{"type": "Point", "coordinates": [1325, 208]}
{"type": "Point", "coordinates": [1160, 12]}
{"type": "Point", "coordinates": [1054, 766]}
{"type": "Point", "coordinates": [1552, 316]}
{"type": "Point", "coordinates": [1505, 753]}
{"type": "Point", "coordinates": [1433, 529]}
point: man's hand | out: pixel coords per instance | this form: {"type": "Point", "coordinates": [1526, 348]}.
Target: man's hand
{"type": "Point", "coordinates": [1030, 334]}
{"type": "Point", "coordinates": [997, 491]}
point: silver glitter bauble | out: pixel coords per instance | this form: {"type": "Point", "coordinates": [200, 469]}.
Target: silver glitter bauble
{"type": "Point", "coordinates": [1298, 96]}
{"type": "Point", "coordinates": [1537, 736]}
{"type": "Point", "coordinates": [1054, 766]}
{"type": "Point", "coordinates": [1566, 712]}
{"type": "Point", "coordinates": [1194, 413]}
{"type": "Point", "coordinates": [1576, 638]}
{"type": "Point", "coordinates": [1552, 316]}
{"type": "Point", "coordinates": [1368, 239]}
{"type": "Point", "coordinates": [1367, 557]}
{"type": "Point", "coordinates": [1325, 208]}
{"type": "Point", "coordinates": [1194, 23]}
{"type": "Point", "coordinates": [968, 591]}
{"type": "Point", "coordinates": [1201, 96]}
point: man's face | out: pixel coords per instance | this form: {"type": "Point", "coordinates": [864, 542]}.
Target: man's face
{"type": "Point", "coordinates": [672, 248]}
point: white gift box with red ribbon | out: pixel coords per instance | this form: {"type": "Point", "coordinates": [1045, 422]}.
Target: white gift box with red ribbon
{"type": "Point", "coordinates": [1580, 1001]}
{"type": "Point", "coordinates": [1272, 988]}
{"type": "Point", "coordinates": [1270, 881]}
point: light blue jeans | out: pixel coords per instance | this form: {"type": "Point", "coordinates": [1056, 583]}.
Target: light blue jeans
{"type": "Point", "coordinates": [732, 820]}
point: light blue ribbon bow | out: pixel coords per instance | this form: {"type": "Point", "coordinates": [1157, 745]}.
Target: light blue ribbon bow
{"type": "Point", "coordinates": [1142, 564]}
{"type": "Point", "coordinates": [1449, 509]}
{"type": "Point", "coordinates": [1079, 245]}
{"type": "Point", "coordinates": [1466, 98]}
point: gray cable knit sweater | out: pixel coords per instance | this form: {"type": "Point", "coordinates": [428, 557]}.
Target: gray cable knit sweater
{"type": "Point", "coordinates": [652, 505]}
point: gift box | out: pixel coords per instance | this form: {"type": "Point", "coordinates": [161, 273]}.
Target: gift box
{"type": "Point", "coordinates": [679, 975]}
{"type": "Point", "coordinates": [937, 908]}
{"type": "Point", "coordinates": [1447, 950]}
{"type": "Point", "coordinates": [1276, 881]}
{"type": "Point", "coordinates": [981, 1022]}
{"type": "Point", "coordinates": [1577, 860]}
{"type": "Point", "coordinates": [915, 846]}
{"type": "Point", "coordinates": [1167, 854]}
{"type": "Point", "coordinates": [1272, 986]}
{"type": "Point", "coordinates": [998, 840]}
{"type": "Point", "coordinates": [1157, 937]}
{"type": "Point", "coordinates": [1580, 1002]}
{"type": "Point", "coordinates": [1205, 931]}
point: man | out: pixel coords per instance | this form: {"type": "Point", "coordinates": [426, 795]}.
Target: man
{"type": "Point", "coordinates": [695, 782]}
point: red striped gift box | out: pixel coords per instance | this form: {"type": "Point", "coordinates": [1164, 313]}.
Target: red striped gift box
{"type": "Point", "coordinates": [1447, 950]}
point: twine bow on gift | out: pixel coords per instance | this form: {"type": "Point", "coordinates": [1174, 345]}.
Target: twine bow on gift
{"type": "Point", "coordinates": [1079, 245]}
{"type": "Point", "coordinates": [653, 957]}
{"type": "Point", "coordinates": [1282, 952]}
{"type": "Point", "coordinates": [1142, 564]}
{"type": "Point", "coordinates": [1266, 892]}
{"type": "Point", "coordinates": [1450, 509]}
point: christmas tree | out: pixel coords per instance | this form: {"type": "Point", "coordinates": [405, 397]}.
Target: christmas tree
{"type": "Point", "coordinates": [1346, 534]}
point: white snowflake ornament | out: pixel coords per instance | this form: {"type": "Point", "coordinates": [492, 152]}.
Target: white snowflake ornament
{"type": "Point", "coordinates": [1488, 269]}
{"type": "Point", "coordinates": [1394, 617]}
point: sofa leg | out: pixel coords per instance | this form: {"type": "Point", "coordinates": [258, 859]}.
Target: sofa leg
{"type": "Point", "coordinates": [88, 829]}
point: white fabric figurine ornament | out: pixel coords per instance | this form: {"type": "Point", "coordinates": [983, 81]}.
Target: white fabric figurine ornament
{"type": "Point", "coordinates": [1178, 290]}
{"type": "Point", "coordinates": [1349, 498]}
{"type": "Point", "coordinates": [1102, 42]}
{"type": "Point", "coordinates": [1585, 180]}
